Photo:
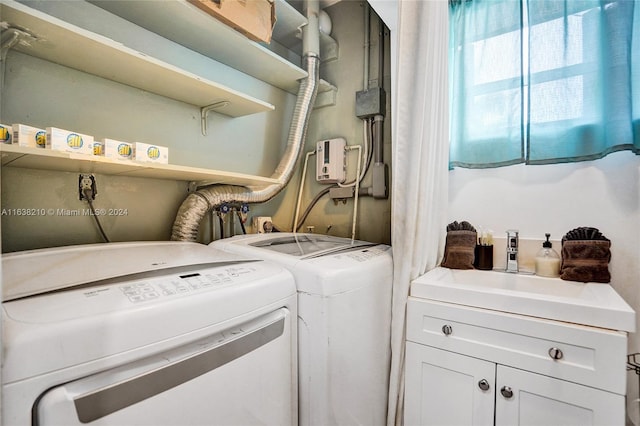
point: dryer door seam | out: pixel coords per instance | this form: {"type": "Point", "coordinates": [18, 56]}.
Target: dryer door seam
{"type": "Point", "coordinates": [101, 402]}
{"type": "Point", "coordinates": [99, 395]}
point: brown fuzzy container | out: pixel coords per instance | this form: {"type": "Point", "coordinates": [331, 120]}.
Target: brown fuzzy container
{"type": "Point", "coordinates": [459, 250]}
{"type": "Point", "coordinates": [586, 261]}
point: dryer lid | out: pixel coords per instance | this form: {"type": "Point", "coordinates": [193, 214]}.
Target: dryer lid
{"type": "Point", "coordinates": [33, 272]}
{"type": "Point", "coordinates": [309, 245]}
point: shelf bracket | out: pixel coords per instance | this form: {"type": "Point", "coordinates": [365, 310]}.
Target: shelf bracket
{"type": "Point", "coordinates": [11, 37]}
{"type": "Point", "coordinates": [204, 113]}
{"type": "Point", "coordinates": [193, 186]}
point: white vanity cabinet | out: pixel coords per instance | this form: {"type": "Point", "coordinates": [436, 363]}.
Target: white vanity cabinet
{"type": "Point", "coordinates": [443, 388]}
{"type": "Point", "coordinates": [473, 366]}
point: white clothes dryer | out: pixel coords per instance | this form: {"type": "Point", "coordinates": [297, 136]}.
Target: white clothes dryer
{"type": "Point", "coordinates": [156, 333]}
{"type": "Point", "coordinates": [344, 322]}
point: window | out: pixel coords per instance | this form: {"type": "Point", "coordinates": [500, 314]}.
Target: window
{"type": "Point", "coordinates": [543, 81]}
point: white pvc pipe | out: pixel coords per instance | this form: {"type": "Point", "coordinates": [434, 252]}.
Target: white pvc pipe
{"type": "Point", "coordinates": [304, 175]}
{"type": "Point", "coordinates": [366, 137]}
{"type": "Point", "coordinates": [311, 31]}
{"type": "Point", "coordinates": [367, 42]}
{"type": "Point", "coordinates": [357, 189]}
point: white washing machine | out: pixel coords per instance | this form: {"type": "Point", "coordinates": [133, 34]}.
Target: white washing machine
{"type": "Point", "coordinates": [169, 333]}
{"type": "Point", "coordinates": [344, 317]}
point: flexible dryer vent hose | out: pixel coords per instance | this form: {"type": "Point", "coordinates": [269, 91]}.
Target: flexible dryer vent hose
{"type": "Point", "coordinates": [199, 203]}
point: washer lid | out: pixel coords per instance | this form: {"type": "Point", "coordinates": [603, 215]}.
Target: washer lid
{"type": "Point", "coordinates": [32, 272]}
{"type": "Point", "coordinates": [309, 245]}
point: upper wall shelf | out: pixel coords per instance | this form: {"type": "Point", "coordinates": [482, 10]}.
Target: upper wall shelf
{"type": "Point", "coordinates": [46, 159]}
{"type": "Point", "coordinates": [60, 42]}
{"type": "Point", "coordinates": [185, 24]}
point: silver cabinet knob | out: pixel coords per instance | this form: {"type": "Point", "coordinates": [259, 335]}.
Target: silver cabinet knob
{"type": "Point", "coordinates": [506, 391]}
{"type": "Point", "coordinates": [447, 329]}
{"type": "Point", "coordinates": [555, 353]}
{"type": "Point", "coordinates": [484, 385]}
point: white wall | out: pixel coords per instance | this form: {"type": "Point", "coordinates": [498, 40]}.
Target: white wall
{"type": "Point", "coordinates": [604, 194]}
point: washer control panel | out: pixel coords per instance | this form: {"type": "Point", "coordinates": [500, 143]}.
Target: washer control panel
{"type": "Point", "coordinates": [144, 290]}
{"type": "Point", "coordinates": [155, 287]}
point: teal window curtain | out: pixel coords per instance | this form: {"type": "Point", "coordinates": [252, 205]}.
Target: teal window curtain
{"type": "Point", "coordinates": [543, 81]}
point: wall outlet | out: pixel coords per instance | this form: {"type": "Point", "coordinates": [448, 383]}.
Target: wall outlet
{"type": "Point", "coordinates": [87, 185]}
{"type": "Point", "coordinates": [262, 224]}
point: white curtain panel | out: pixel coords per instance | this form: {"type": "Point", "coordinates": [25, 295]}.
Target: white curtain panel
{"type": "Point", "coordinates": [420, 165]}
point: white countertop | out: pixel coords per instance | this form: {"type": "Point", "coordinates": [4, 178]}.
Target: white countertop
{"type": "Point", "coordinates": [593, 304]}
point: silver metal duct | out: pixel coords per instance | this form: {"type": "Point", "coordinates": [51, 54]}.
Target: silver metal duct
{"type": "Point", "coordinates": [199, 203]}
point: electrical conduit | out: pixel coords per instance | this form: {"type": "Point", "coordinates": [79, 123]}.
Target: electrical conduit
{"type": "Point", "coordinates": [199, 203]}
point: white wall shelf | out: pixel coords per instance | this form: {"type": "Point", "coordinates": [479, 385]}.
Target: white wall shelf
{"type": "Point", "coordinates": [74, 47]}
{"type": "Point", "coordinates": [46, 159]}
{"type": "Point", "coordinates": [66, 44]}
{"type": "Point", "coordinates": [185, 24]}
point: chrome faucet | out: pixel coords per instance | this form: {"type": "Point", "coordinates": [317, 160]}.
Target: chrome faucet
{"type": "Point", "coordinates": [512, 250]}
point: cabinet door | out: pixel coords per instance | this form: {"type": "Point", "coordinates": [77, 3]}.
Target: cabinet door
{"type": "Point", "coordinates": [443, 388]}
{"type": "Point", "coordinates": [528, 399]}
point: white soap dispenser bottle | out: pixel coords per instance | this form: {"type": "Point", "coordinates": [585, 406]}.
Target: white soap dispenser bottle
{"type": "Point", "coordinates": [547, 260]}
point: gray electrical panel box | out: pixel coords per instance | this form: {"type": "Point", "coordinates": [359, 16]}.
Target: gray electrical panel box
{"type": "Point", "coordinates": [371, 102]}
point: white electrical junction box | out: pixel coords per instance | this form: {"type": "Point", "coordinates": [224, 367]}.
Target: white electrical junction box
{"type": "Point", "coordinates": [331, 164]}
